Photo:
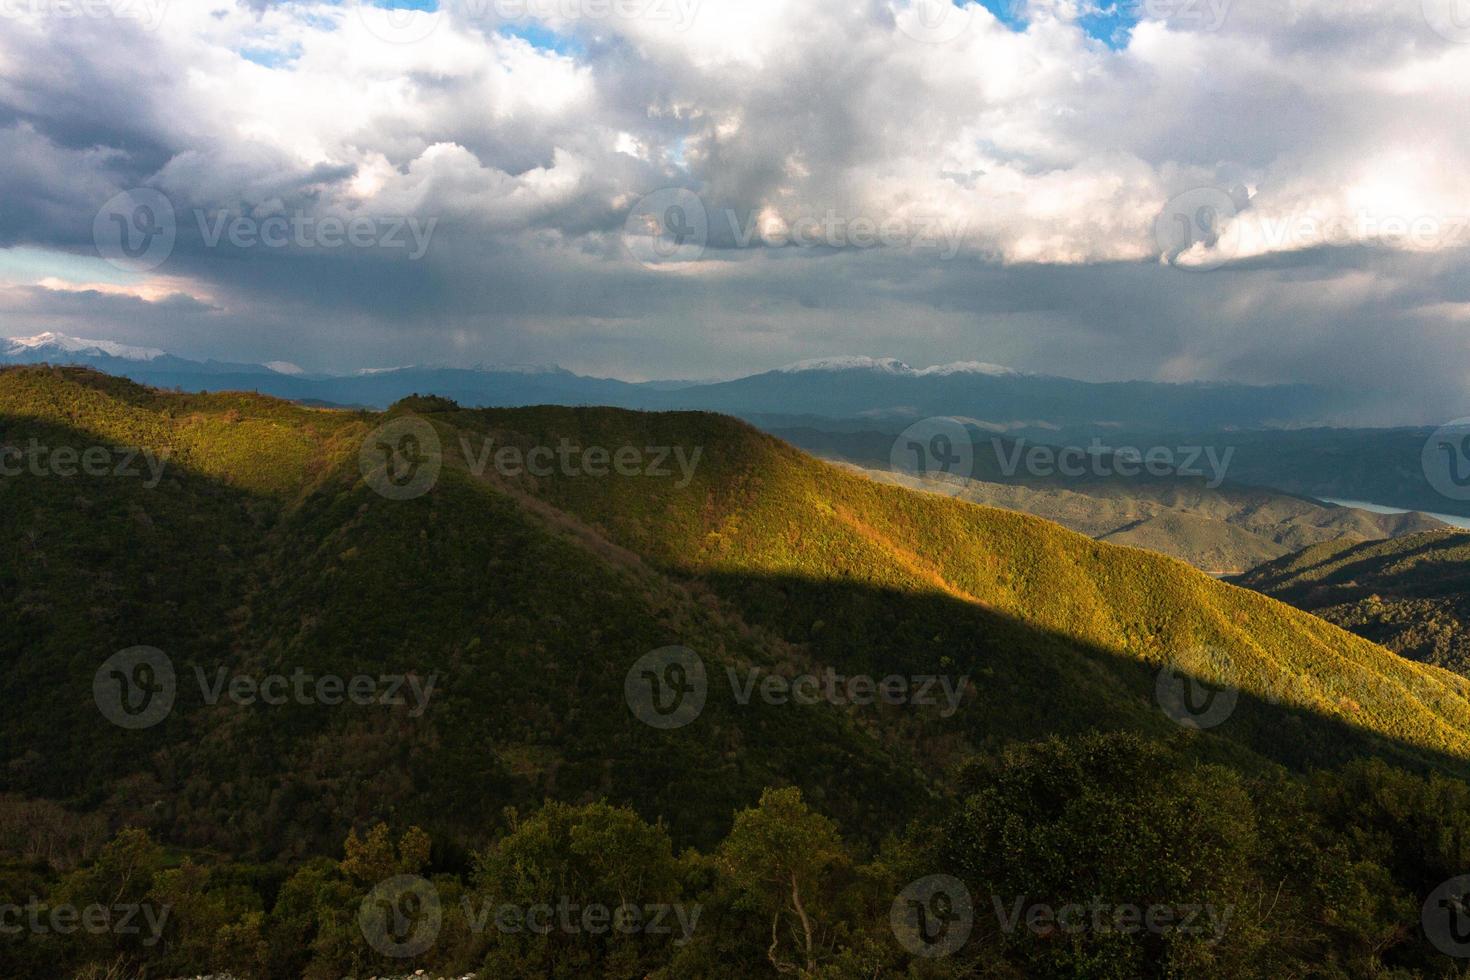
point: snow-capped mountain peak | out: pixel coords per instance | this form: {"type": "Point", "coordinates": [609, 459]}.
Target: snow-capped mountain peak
{"type": "Point", "coordinates": [851, 362]}
{"type": "Point", "coordinates": [965, 367]}
{"type": "Point", "coordinates": [480, 367]}
{"type": "Point", "coordinates": [369, 372]}
{"type": "Point", "coordinates": [15, 346]}
{"type": "Point", "coordinates": [892, 365]}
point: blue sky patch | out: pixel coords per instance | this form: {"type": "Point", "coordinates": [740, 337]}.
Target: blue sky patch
{"type": "Point", "coordinates": [540, 36]}
{"type": "Point", "coordinates": [272, 57]}
{"type": "Point", "coordinates": [1111, 21]}
{"type": "Point", "coordinates": [28, 263]}
{"type": "Point", "coordinates": [406, 4]}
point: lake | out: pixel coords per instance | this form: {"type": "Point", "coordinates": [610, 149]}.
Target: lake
{"type": "Point", "coordinates": [1450, 519]}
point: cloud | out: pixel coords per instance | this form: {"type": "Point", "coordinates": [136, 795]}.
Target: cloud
{"type": "Point", "coordinates": [1039, 152]}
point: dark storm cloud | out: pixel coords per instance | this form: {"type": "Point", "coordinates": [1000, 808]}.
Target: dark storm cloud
{"type": "Point", "coordinates": [1043, 157]}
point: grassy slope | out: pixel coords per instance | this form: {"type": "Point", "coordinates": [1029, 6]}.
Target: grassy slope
{"type": "Point", "coordinates": [264, 551]}
{"type": "Point", "coordinates": [1408, 594]}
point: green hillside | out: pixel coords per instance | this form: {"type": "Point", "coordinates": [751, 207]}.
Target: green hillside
{"type": "Point", "coordinates": [1223, 530]}
{"type": "Point", "coordinates": [762, 511]}
{"type": "Point", "coordinates": [525, 600]}
{"type": "Point", "coordinates": [1412, 595]}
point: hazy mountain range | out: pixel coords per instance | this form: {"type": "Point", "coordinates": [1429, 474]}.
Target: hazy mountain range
{"type": "Point", "coordinates": [853, 408]}
{"type": "Point", "coordinates": [836, 388]}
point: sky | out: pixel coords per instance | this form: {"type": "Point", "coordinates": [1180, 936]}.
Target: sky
{"type": "Point", "coordinates": [1250, 190]}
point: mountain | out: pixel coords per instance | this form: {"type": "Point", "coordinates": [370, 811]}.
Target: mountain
{"type": "Point", "coordinates": [1223, 531]}
{"type": "Point", "coordinates": [1380, 466]}
{"type": "Point", "coordinates": [997, 397]}
{"type": "Point", "coordinates": [53, 346]}
{"type": "Point", "coordinates": [509, 623]}
{"type": "Point", "coordinates": [263, 549]}
{"type": "Point", "coordinates": [512, 385]}
{"type": "Point", "coordinates": [843, 387]}
{"type": "Point", "coordinates": [871, 400]}
{"type": "Point", "coordinates": [124, 361]}
{"type": "Point", "coordinates": [1216, 524]}
{"type": "Point", "coordinates": [1411, 594]}
{"type": "Point", "coordinates": [892, 366]}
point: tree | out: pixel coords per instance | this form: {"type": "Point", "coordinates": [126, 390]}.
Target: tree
{"type": "Point", "coordinates": [372, 860]}
{"type": "Point", "coordinates": [782, 855]}
{"type": "Point", "coordinates": [573, 860]}
{"type": "Point", "coordinates": [1073, 841]}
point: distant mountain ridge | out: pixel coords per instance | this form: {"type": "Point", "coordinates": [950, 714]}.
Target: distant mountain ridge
{"type": "Point", "coordinates": [48, 344]}
{"type": "Point", "coordinates": [121, 360]}
{"type": "Point", "coordinates": [892, 365]}
{"type": "Point", "coordinates": [834, 387]}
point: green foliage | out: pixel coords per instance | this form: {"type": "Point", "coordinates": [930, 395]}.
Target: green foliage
{"type": "Point", "coordinates": [1055, 842]}
{"type": "Point", "coordinates": [1100, 823]}
{"type": "Point", "coordinates": [564, 893]}
{"type": "Point", "coordinates": [1411, 594]}
{"type": "Point", "coordinates": [423, 405]}
{"type": "Point", "coordinates": [527, 599]}
{"type": "Point", "coordinates": [373, 859]}
{"type": "Point", "coordinates": [1222, 531]}
{"type": "Point", "coordinates": [782, 856]}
